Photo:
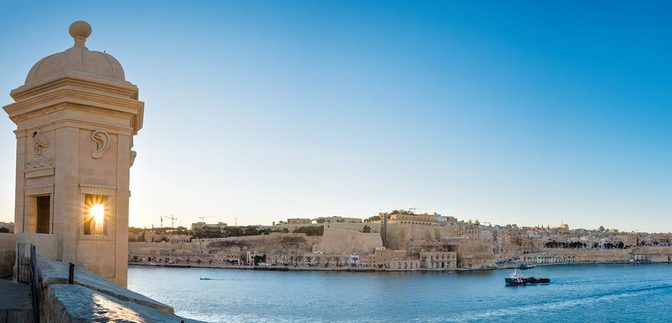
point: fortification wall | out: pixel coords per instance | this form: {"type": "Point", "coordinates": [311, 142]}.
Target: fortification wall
{"type": "Point", "coordinates": [374, 227]}
{"type": "Point", "coordinates": [344, 240]}
{"type": "Point", "coordinates": [286, 243]}
{"type": "Point", "coordinates": [475, 254]}
{"type": "Point", "coordinates": [220, 249]}
{"type": "Point", "coordinates": [399, 236]}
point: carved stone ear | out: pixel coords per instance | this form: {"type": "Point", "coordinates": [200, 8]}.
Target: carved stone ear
{"type": "Point", "coordinates": [100, 143]}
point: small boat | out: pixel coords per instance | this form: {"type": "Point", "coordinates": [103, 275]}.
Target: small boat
{"type": "Point", "coordinates": [519, 280]}
{"type": "Point", "coordinates": [206, 278]}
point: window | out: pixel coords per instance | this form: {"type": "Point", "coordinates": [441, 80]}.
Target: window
{"type": "Point", "coordinates": [43, 204]}
{"type": "Point", "coordinates": [95, 216]}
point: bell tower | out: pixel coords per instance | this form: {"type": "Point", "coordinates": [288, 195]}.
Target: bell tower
{"type": "Point", "coordinates": [75, 118]}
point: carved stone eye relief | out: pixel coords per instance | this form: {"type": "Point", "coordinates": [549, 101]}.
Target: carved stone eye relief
{"type": "Point", "coordinates": [100, 143]}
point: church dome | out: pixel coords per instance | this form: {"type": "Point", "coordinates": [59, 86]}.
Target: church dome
{"type": "Point", "coordinates": [77, 60]}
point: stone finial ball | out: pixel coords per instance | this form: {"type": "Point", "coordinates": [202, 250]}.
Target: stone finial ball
{"type": "Point", "coordinates": [80, 28]}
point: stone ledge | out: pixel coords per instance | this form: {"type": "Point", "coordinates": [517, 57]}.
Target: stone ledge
{"type": "Point", "coordinates": [75, 303]}
{"type": "Point", "coordinates": [55, 272]}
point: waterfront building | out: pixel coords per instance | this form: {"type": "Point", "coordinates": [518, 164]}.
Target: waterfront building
{"type": "Point", "coordinates": [76, 116]}
{"type": "Point", "coordinates": [419, 219]}
{"type": "Point", "coordinates": [545, 258]}
{"type": "Point", "coordinates": [151, 236]}
{"type": "Point", "coordinates": [393, 259]}
{"type": "Point", "coordinates": [652, 254]}
{"type": "Point", "coordinates": [299, 221]}
{"type": "Point", "coordinates": [338, 219]}
{"type": "Point", "coordinates": [439, 260]}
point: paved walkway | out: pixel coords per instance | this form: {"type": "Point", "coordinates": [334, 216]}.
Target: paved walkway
{"type": "Point", "coordinates": [15, 303]}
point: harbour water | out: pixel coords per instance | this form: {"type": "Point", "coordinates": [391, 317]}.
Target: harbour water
{"type": "Point", "coordinates": [597, 293]}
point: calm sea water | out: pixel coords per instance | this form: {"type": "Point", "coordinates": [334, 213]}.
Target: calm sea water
{"type": "Point", "coordinates": [603, 293]}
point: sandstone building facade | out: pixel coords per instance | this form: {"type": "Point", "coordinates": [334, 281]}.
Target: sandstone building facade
{"type": "Point", "coordinates": [75, 118]}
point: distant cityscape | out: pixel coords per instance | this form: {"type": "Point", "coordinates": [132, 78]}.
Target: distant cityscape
{"type": "Point", "coordinates": [400, 240]}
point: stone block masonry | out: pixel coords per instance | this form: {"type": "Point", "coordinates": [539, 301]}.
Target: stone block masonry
{"type": "Point", "coordinates": [92, 298]}
{"type": "Point", "coordinates": [15, 304]}
{"type": "Point", "coordinates": [7, 254]}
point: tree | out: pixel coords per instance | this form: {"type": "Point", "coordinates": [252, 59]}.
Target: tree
{"type": "Point", "coordinates": [311, 231]}
{"type": "Point", "coordinates": [374, 218]}
{"type": "Point", "coordinates": [366, 229]}
{"type": "Point", "coordinates": [404, 212]}
{"type": "Point", "coordinates": [4, 230]}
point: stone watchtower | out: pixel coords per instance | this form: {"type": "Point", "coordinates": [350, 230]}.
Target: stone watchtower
{"type": "Point", "coordinates": [75, 118]}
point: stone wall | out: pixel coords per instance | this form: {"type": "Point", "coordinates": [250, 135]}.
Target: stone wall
{"type": "Point", "coordinates": [652, 254]}
{"type": "Point", "coordinates": [475, 254]}
{"type": "Point", "coordinates": [343, 241]}
{"type": "Point", "coordinates": [46, 244]}
{"type": "Point", "coordinates": [220, 249]}
{"type": "Point", "coordinates": [7, 254]}
{"type": "Point", "coordinates": [374, 226]}
{"type": "Point", "coordinates": [92, 298]}
{"type": "Point", "coordinates": [399, 236]}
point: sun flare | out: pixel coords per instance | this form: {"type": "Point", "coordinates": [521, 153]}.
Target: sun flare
{"type": "Point", "coordinates": [98, 212]}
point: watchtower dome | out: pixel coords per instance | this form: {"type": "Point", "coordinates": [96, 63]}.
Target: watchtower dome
{"type": "Point", "coordinates": [75, 118]}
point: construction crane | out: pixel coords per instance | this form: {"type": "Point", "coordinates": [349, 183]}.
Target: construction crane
{"type": "Point", "coordinates": [172, 220]}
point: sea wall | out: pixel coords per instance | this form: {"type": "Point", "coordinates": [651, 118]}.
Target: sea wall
{"type": "Point", "coordinates": [92, 298]}
{"type": "Point", "coordinates": [579, 256]}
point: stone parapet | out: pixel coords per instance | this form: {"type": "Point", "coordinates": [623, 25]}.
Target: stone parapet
{"type": "Point", "coordinates": [47, 244]}
{"type": "Point", "coordinates": [75, 303]}
{"type": "Point", "coordinates": [93, 298]}
{"type": "Point", "coordinates": [7, 254]}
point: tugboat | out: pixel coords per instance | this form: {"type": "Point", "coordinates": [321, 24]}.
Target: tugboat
{"type": "Point", "coordinates": [519, 280]}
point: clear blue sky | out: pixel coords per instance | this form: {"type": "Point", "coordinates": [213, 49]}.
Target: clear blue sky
{"type": "Point", "coordinates": [507, 112]}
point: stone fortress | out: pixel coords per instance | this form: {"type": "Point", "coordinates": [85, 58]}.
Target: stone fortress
{"type": "Point", "coordinates": [396, 241]}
